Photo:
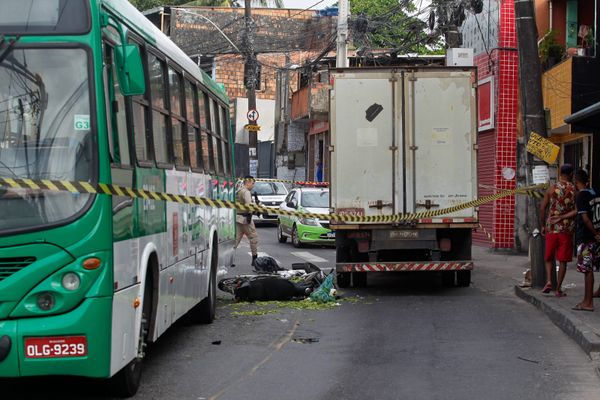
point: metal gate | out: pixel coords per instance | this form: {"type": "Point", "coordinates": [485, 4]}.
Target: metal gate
{"type": "Point", "coordinates": [266, 160]}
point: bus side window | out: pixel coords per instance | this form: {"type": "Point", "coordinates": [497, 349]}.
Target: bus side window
{"type": "Point", "coordinates": [115, 111]}
{"type": "Point", "coordinates": [178, 126]}
{"type": "Point", "coordinates": [193, 128]}
{"type": "Point", "coordinates": [139, 119]}
{"type": "Point", "coordinates": [156, 74]}
{"type": "Point", "coordinates": [214, 130]}
{"type": "Point", "coordinates": [207, 154]}
{"type": "Point", "coordinates": [224, 140]}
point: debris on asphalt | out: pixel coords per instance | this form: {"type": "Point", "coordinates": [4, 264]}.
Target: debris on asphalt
{"type": "Point", "coordinates": [526, 279]}
{"type": "Point", "coordinates": [326, 292]}
{"type": "Point", "coordinates": [528, 360]}
{"type": "Point", "coordinates": [216, 342]}
{"type": "Point", "coordinates": [305, 340]}
{"type": "Point", "coordinates": [266, 265]}
{"type": "Point", "coordinates": [253, 313]}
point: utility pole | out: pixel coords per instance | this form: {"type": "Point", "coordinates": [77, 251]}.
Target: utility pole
{"type": "Point", "coordinates": [250, 78]}
{"type": "Point", "coordinates": [341, 59]}
{"type": "Point", "coordinates": [534, 119]}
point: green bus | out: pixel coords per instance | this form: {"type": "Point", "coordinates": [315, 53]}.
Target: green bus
{"type": "Point", "coordinates": [91, 91]}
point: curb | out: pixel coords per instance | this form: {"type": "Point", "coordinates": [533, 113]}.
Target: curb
{"type": "Point", "coordinates": [579, 332]}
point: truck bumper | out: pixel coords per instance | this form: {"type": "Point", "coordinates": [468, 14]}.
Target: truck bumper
{"type": "Point", "coordinates": [405, 266]}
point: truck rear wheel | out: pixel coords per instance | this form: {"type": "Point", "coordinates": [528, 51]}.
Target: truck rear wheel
{"type": "Point", "coordinates": [359, 279]}
{"type": "Point", "coordinates": [463, 278]}
{"type": "Point", "coordinates": [343, 279]}
{"type": "Point", "coordinates": [448, 278]}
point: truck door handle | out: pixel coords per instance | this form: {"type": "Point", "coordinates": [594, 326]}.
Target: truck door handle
{"type": "Point", "coordinates": [379, 204]}
{"type": "Point", "coordinates": [428, 204]}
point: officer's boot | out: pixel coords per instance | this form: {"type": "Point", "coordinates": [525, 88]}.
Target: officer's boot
{"type": "Point", "coordinates": [254, 256]}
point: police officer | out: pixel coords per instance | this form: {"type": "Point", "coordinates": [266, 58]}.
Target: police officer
{"type": "Point", "coordinates": [243, 222]}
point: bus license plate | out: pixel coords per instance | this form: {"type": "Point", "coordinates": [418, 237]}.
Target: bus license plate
{"type": "Point", "coordinates": [56, 347]}
{"type": "Point", "coordinates": [331, 235]}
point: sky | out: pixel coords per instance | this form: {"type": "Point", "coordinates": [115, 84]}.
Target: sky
{"type": "Point", "coordinates": [302, 4]}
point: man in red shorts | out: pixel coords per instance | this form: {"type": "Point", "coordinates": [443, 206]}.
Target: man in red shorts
{"type": "Point", "coordinates": [558, 200]}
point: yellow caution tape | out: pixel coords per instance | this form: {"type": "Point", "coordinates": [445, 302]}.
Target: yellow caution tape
{"type": "Point", "coordinates": [299, 183]}
{"type": "Point", "coordinates": [115, 190]}
{"type": "Point", "coordinates": [489, 235]}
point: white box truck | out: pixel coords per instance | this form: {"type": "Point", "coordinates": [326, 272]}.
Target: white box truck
{"type": "Point", "coordinates": [403, 140]}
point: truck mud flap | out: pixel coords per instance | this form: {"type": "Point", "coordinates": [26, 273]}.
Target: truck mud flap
{"type": "Point", "coordinates": [405, 266]}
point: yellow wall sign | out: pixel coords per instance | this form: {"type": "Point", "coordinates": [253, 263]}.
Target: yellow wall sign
{"type": "Point", "coordinates": [542, 148]}
{"type": "Point", "coordinates": [252, 128]}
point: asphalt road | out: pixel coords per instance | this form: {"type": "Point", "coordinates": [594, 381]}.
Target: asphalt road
{"type": "Point", "coordinates": [403, 337]}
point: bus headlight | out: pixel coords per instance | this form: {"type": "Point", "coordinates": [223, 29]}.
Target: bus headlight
{"type": "Point", "coordinates": [71, 281]}
{"type": "Point", "coordinates": [45, 301]}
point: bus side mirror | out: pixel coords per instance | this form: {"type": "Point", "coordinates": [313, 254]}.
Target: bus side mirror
{"type": "Point", "coordinates": [130, 70]}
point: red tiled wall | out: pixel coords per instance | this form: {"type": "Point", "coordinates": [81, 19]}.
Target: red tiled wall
{"type": "Point", "coordinates": [506, 125]}
{"type": "Point", "coordinates": [497, 147]}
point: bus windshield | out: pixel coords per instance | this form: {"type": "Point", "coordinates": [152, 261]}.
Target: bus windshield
{"type": "Point", "coordinates": [45, 133]}
{"type": "Point", "coordinates": [44, 17]}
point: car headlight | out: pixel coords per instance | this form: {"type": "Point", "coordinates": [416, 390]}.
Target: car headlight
{"type": "Point", "coordinates": [309, 221]}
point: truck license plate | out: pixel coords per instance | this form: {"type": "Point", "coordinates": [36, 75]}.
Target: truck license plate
{"type": "Point", "coordinates": [351, 212]}
{"type": "Point", "coordinates": [407, 234]}
{"type": "Point", "coordinates": [56, 347]}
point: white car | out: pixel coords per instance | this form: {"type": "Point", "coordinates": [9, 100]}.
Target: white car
{"type": "Point", "coordinates": [270, 194]}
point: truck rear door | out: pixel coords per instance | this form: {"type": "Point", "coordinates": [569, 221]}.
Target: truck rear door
{"type": "Point", "coordinates": [440, 137]}
{"type": "Point", "coordinates": [363, 122]}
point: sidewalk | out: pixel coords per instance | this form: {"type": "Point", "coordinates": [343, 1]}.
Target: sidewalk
{"type": "Point", "coordinates": [582, 326]}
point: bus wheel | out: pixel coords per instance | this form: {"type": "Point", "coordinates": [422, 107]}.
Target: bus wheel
{"type": "Point", "coordinates": [204, 313]}
{"type": "Point", "coordinates": [343, 279]}
{"type": "Point", "coordinates": [463, 278]}
{"type": "Point", "coordinates": [127, 381]}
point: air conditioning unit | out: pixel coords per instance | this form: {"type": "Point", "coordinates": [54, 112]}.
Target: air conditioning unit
{"type": "Point", "coordinates": [459, 57]}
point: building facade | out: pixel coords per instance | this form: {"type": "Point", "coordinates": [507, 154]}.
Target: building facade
{"type": "Point", "coordinates": [570, 81]}
{"type": "Point", "coordinates": [492, 36]}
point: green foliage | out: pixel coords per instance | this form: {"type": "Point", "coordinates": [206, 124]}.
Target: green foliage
{"type": "Point", "coordinates": [588, 40]}
{"type": "Point", "coordinates": [549, 48]}
{"type": "Point", "coordinates": [148, 4]}
{"type": "Point", "coordinates": [390, 26]}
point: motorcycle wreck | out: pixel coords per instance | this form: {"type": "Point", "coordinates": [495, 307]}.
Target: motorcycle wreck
{"type": "Point", "coordinates": [273, 283]}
